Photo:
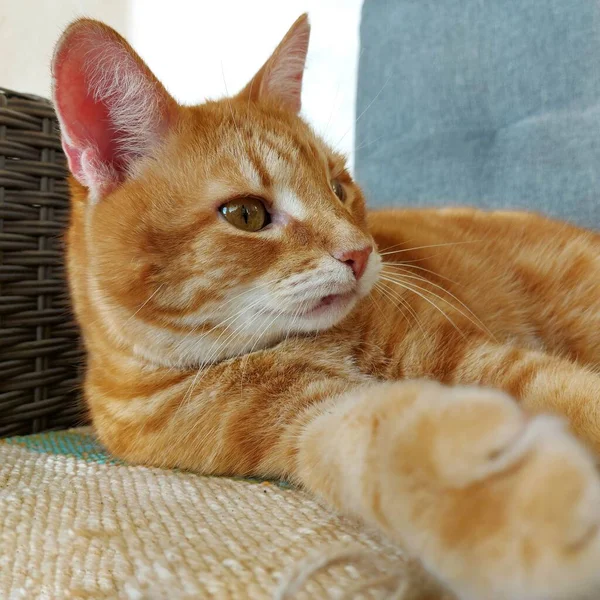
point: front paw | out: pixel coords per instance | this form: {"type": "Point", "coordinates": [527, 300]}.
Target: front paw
{"type": "Point", "coordinates": [498, 506]}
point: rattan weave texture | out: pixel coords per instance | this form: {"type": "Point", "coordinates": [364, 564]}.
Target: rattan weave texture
{"type": "Point", "coordinates": [39, 345]}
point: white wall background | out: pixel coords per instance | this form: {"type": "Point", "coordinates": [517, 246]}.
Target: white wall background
{"type": "Point", "coordinates": [30, 28]}
{"type": "Point", "coordinates": [200, 48]}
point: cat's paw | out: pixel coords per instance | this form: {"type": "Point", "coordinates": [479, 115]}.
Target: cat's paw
{"type": "Point", "coordinates": [498, 506]}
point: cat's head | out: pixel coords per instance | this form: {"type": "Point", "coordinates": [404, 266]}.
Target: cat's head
{"type": "Point", "coordinates": [209, 230]}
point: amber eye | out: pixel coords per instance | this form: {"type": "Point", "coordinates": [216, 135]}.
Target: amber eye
{"type": "Point", "coordinates": [248, 214]}
{"type": "Point", "coordinates": [338, 189]}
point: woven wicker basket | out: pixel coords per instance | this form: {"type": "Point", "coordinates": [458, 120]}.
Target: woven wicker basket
{"type": "Point", "coordinates": [39, 346]}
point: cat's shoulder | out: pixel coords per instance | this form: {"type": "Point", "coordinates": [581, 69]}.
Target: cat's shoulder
{"type": "Point", "coordinates": [472, 219]}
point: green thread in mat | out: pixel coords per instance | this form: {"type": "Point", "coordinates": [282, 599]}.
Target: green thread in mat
{"type": "Point", "coordinates": [83, 444]}
{"type": "Point", "coordinates": [71, 442]}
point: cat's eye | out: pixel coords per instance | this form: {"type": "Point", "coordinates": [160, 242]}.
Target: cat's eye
{"type": "Point", "coordinates": [338, 189]}
{"type": "Point", "coordinates": [248, 214]}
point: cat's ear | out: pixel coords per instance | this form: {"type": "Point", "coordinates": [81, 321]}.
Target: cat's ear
{"type": "Point", "coordinates": [112, 110]}
{"type": "Point", "coordinates": [280, 78]}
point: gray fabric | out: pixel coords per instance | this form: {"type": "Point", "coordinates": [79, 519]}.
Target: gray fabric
{"type": "Point", "coordinates": [492, 103]}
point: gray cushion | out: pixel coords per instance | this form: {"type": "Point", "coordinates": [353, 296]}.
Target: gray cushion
{"type": "Point", "coordinates": [482, 102]}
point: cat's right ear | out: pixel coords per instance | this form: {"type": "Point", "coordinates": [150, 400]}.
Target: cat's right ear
{"type": "Point", "coordinates": [280, 78]}
{"type": "Point", "coordinates": [112, 110]}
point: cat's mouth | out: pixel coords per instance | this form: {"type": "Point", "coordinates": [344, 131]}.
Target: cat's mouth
{"type": "Point", "coordinates": [329, 303]}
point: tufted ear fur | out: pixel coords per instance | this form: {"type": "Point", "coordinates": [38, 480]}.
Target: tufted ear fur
{"type": "Point", "coordinates": [111, 108]}
{"type": "Point", "coordinates": [280, 78]}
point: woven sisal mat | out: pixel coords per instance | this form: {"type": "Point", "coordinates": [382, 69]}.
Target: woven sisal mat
{"type": "Point", "coordinates": [76, 524]}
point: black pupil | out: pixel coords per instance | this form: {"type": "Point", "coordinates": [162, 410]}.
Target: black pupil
{"type": "Point", "coordinates": [245, 214]}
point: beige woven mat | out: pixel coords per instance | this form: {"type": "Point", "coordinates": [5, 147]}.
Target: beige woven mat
{"type": "Point", "coordinates": [78, 528]}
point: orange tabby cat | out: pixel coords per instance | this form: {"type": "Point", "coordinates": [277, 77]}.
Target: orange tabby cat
{"type": "Point", "coordinates": [240, 319]}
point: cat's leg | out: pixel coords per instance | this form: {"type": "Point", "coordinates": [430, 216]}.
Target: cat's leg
{"type": "Point", "coordinates": [499, 506]}
{"type": "Point", "coordinates": [541, 382]}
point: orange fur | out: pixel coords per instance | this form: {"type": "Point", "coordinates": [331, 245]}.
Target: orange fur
{"type": "Point", "coordinates": [185, 371]}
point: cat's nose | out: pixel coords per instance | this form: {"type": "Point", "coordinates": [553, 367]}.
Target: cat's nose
{"type": "Point", "coordinates": [355, 259]}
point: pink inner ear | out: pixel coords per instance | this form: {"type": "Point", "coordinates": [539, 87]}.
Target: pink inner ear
{"type": "Point", "coordinates": [87, 127]}
{"type": "Point", "coordinates": [111, 109]}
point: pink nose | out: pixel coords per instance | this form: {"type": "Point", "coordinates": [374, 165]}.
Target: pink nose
{"type": "Point", "coordinates": [355, 259]}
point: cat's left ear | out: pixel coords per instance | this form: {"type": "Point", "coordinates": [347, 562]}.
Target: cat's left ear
{"type": "Point", "coordinates": [280, 78]}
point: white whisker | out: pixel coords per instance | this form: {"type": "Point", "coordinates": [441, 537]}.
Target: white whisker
{"type": "Point", "coordinates": [475, 320]}
{"type": "Point", "coordinates": [366, 144]}
{"type": "Point", "coordinates": [366, 109]}
{"type": "Point", "coordinates": [431, 246]}
{"type": "Point", "coordinates": [402, 264]}
{"type": "Point", "coordinates": [411, 288]}
{"type": "Point", "coordinates": [391, 294]}
{"type": "Point", "coordinates": [230, 107]}
{"type": "Point", "coordinates": [144, 304]}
